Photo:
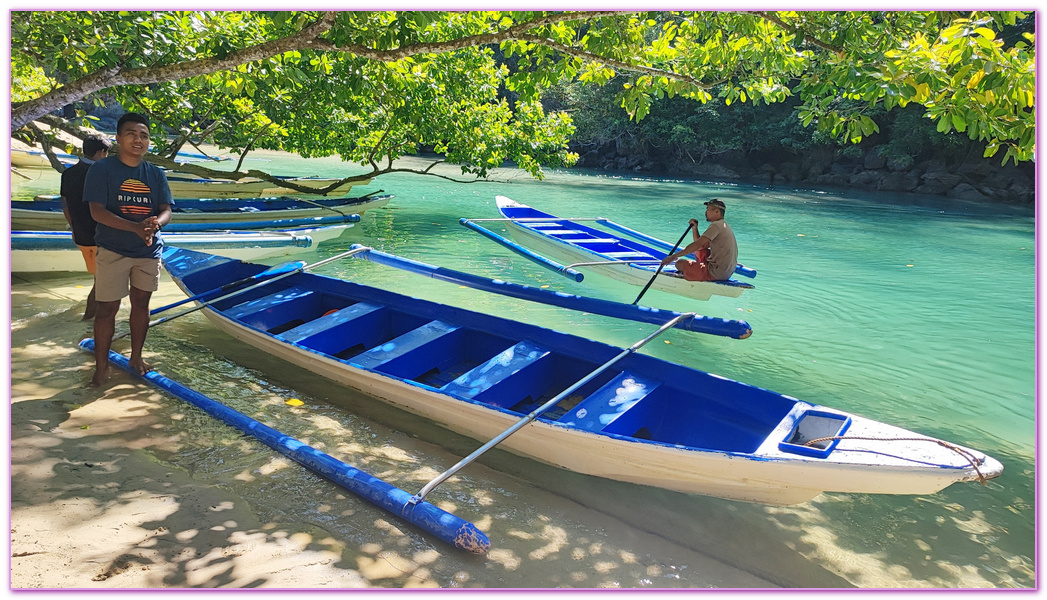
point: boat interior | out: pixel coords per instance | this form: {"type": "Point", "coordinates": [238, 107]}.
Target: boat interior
{"type": "Point", "coordinates": [585, 237]}
{"type": "Point", "coordinates": [500, 363]}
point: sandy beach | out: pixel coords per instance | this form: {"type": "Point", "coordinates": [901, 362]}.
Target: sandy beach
{"type": "Point", "coordinates": [91, 507]}
{"type": "Point", "coordinates": [96, 502]}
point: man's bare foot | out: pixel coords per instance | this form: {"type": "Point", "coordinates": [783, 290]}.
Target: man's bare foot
{"type": "Point", "coordinates": [100, 378]}
{"type": "Point", "coordinates": [139, 366]}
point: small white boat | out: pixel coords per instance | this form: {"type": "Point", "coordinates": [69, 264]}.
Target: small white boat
{"type": "Point", "coordinates": [47, 251]}
{"type": "Point", "coordinates": [36, 159]}
{"type": "Point", "coordinates": [612, 256]}
{"type": "Point", "coordinates": [190, 186]}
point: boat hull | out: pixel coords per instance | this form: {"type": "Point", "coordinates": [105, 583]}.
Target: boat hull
{"type": "Point", "coordinates": [527, 234]}
{"type": "Point", "coordinates": [54, 251]}
{"type": "Point", "coordinates": [46, 215]}
{"type": "Point", "coordinates": [752, 468]}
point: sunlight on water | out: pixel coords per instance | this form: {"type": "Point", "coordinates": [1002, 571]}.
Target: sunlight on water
{"type": "Point", "coordinates": [915, 311]}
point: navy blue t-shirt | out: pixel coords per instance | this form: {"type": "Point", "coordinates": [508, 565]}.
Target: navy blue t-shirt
{"type": "Point", "coordinates": [134, 193]}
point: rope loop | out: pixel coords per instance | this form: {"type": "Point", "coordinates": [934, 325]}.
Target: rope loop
{"type": "Point", "coordinates": [968, 456]}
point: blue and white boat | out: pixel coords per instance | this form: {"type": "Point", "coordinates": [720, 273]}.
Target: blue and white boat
{"type": "Point", "coordinates": [45, 212]}
{"type": "Point", "coordinates": [46, 251]}
{"type": "Point", "coordinates": [620, 415]}
{"type": "Point", "coordinates": [610, 255]}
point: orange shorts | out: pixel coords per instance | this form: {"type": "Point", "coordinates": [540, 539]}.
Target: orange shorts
{"type": "Point", "coordinates": [695, 270]}
{"type": "Point", "coordinates": [90, 257]}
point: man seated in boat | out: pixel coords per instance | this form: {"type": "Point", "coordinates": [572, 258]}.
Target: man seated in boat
{"type": "Point", "coordinates": [715, 249]}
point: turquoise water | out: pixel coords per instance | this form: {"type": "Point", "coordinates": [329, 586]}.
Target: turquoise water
{"type": "Point", "coordinates": [916, 311]}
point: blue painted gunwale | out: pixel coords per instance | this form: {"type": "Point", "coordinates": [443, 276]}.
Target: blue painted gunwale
{"type": "Point", "coordinates": [645, 420]}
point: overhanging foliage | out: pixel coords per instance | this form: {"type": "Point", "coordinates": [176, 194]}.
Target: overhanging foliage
{"type": "Point", "coordinates": [373, 86]}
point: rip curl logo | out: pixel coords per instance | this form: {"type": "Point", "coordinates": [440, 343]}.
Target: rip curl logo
{"type": "Point", "coordinates": [135, 199]}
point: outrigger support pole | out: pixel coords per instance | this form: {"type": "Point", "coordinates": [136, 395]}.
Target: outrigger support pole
{"type": "Point", "coordinates": [517, 248]}
{"type": "Point", "coordinates": [534, 414]}
{"type": "Point", "coordinates": [265, 282]}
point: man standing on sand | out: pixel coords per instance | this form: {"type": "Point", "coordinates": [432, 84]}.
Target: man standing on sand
{"type": "Point", "coordinates": [717, 249]}
{"type": "Point", "coordinates": [131, 201]}
{"type": "Point", "coordinates": [78, 213]}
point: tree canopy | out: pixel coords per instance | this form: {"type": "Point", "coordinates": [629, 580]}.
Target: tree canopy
{"type": "Point", "coordinates": [373, 86]}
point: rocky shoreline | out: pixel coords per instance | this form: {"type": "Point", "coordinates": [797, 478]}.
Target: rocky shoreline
{"type": "Point", "coordinates": [967, 177]}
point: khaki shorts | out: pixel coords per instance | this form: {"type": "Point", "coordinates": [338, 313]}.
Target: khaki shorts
{"type": "Point", "coordinates": [115, 271]}
{"type": "Point", "coordinates": [90, 255]}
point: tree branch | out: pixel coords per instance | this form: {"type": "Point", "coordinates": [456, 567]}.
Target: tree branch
{"type": "Point", "coordinates": [795, 30]}
{"type": "Point", "coordinates": [483, 39]}
{"type": "Point", "coordinates": [46, 143]}
{"type": "Point", "coordinates": [116, 75]}
{"type": "Point", "coordinates": [624, 66]}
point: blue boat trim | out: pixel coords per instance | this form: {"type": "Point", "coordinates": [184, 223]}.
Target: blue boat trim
{"type": "Point", "coordinates": [712, 325]}
{"type": "Point", "coordinates": [812, 425]}
{"type": "Point", "coordinates": [444, 525]}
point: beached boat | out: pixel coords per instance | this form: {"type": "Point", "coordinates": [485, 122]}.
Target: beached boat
{"type": "Point", "coordinates": [190, 186]}
{"type": "Point", "coordinates": [621, 415]}
{"type": "Point", "coordinates": [614, 256]}
{"type": "Point", "coordinates": [36, 159]}
{"type": "Point", "coordinates": [45, 213]}
{"type": "Point", "coordinates": [44, 251]}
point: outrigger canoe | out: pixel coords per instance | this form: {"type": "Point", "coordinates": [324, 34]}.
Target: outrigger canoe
{"type": "Point", "coordinates": [623, 415]}
{"type": "Point", "coordinates": [613, 256]}
{"type": "Point", "coordinates": [46, 251]}
{"type": "Point", "coordinates": [45, 213]}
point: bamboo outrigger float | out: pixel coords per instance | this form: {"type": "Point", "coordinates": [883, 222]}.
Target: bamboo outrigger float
{"type": "Point", "coordinates": [440, 523]}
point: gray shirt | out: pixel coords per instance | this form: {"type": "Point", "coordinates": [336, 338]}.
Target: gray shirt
{"type": "Point", "coordinates": [723, 250]}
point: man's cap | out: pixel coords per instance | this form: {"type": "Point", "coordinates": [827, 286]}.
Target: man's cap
{"type": "Point", "coordinates": [717, 203]}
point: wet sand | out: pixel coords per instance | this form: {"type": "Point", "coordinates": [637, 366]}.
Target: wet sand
{"type": "Point", "coordinates": [101, 496]}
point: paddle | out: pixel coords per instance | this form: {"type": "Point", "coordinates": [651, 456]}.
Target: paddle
{"type": "Point", "coordinates": [660, 266]}
{"type": "Point", "coordinates": [279, 269]}
{"type": "Point", "coordinates": [247, 289]}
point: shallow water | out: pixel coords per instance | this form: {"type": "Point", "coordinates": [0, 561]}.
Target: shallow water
{"type": "Point", "coordinates": [916, 311]}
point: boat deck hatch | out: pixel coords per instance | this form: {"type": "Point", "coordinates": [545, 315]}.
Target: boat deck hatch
{"type": "Point", "coordinates": [815, 425]}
